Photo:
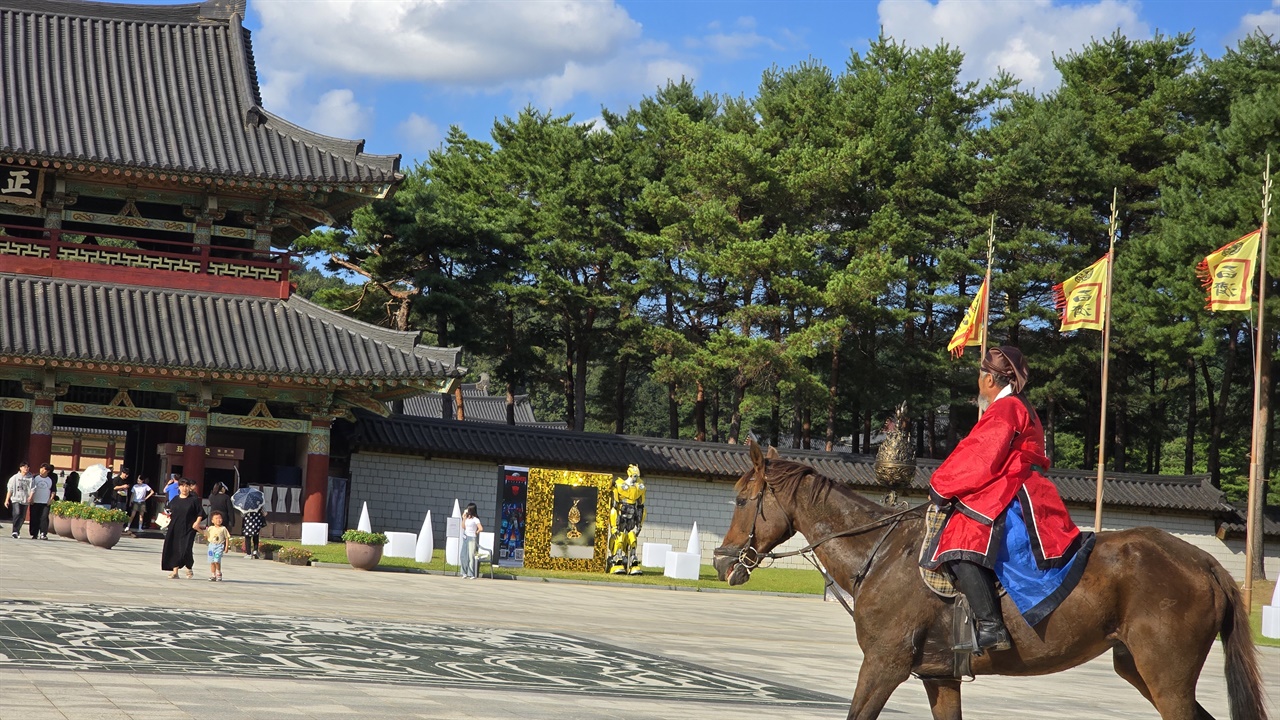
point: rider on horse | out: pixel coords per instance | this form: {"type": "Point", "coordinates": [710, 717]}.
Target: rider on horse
{"type": "Point", "coordinates": [1001, 462]}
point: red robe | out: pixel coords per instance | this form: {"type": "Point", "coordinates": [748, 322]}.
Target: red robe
{"type": "Point", "coordinates": [1001, 459]}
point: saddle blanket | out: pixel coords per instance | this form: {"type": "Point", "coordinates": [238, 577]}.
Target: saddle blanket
{"type": "Point", "coordinates": [1034, 591]}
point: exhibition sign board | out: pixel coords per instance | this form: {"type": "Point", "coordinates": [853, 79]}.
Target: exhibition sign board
{"type": "Point", "coordinates": [567, 523]}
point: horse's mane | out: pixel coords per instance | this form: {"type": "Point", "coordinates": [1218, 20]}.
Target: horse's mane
{"type": "Point", "coordinates": [786, 475]}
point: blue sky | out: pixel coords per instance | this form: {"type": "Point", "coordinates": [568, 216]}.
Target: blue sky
{"type": "Point", "coordinates": [400, 72]}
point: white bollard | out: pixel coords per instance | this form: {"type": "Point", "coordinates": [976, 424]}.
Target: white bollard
{"type": "Point", "coordinates": [1271, 616]}
{"type": "Point", "coordinates": [694, 546]}
{"type": "Point", "coordinates": [365, 525]}
{"type": "Point", "coordinates": [453, 536]}
{"type": "Point", "coordinates": [426, 542]}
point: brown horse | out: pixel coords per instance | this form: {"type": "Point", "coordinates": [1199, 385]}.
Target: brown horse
{"type": "Point", "coordinates": [1155, 601]}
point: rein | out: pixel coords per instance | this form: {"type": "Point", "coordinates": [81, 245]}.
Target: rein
{"type": "Point", "coordinates": [750, 558]}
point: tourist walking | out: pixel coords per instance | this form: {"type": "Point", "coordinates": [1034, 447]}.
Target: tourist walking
{"type": "Point", "coordinates": [185, 512]}
{"type": "Point", "coordinates": [218, 537]}
{"type": "Point", "coordinates": [220, 501]}
{"type": "Point", "coordinates": [139, 493]}
{"type": "Point", "coordinates": [17, 495]}
{"type": "Point", "coordinates": [253, 521]}
{"type": "Point", "coordinates": [71, 487]}
{"type": "Point", "coordinates": [41, 494]}
{"type": "Point", "coordinates": [471, 529]}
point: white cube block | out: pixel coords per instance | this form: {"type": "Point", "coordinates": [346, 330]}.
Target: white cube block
{"type": "Point", "coordinates": [400, 544]}
{"type": "Point", "coordinates": [314, 533]}
{"type": "Point", "coordinates": [1271, 621]}
{"type": "Point", "coordinates": [654, 554]}
{"type": "Point", "coordinates": [682, 566]}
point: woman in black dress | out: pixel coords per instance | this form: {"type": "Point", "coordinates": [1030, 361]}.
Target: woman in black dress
{"type": "Point", "coordinates": [185, 513]}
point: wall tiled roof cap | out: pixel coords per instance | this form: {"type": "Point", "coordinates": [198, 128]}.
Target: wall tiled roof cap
{"type": "Point", "coordinates": [170, 88]}
{"type": "Point", "coordinates": [156, 327]}
{"type": "Point", "coordinates": [723, 462]}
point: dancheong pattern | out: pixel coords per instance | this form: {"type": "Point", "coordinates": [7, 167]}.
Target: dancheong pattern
{"type": "Point", "coordinates": [104, 638]}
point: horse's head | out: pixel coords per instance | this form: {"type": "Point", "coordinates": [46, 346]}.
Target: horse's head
{"type": "Point", "coordinates": [759, 524]}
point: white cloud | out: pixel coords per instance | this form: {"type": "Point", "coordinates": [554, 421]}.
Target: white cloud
{"type": "Point", "coordinates": [642, 68]}
{"type": "Point", "coordinates": [1268, 20]}
{"type": "Point", "coordinates": [1021, 37]}
{"type": "Point", "coordinates": [466, 43]}
{"type": "Point", "coordinates": [737, 43]}
{"type": "Point", "coordinates": [419, 135]}
{"type": "Point", "coordinates": [338, 114]}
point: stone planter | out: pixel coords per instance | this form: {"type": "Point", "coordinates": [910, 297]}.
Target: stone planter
{"type": "Point", "coordinates": [364, 557]}
{"type": "Point", "coordinates": [61, 526]}
{"type": "Point", "coordinates": [304, 561]}
{"type": "Point", "coordinates": [78, 529]}
{"type": "Point", "coordinates": [103, 535]}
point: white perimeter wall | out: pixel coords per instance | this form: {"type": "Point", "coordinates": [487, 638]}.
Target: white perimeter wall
{"type": "Point", "coordinates": [400, 489]}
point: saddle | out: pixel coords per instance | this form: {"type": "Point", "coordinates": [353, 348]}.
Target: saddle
{"type": "Point", "coordinates": [963, 636]}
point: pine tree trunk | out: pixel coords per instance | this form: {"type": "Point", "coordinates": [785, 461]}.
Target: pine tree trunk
{"type": "Point", "coordinates": [620, 397]}
{"type": "Point", "coordinates": [735, 413]}
{"type": "Point", "coordinates": [511, 404]}
{"type": "Point", "coordinates": [1050, 433]}
{"type": "Point", "coordinates": [806, 430]}
{"type": "Point", "coordinates": [796, 414]}
{"type": "Point", "coordinates": [775, 415]}
{"type": "Point", "coordinates": [673, 412]}
{"type": "Point", "coordinates": [1224, 396]}
{"type": "Point", "coordinates": [700, 413]}
{"type": "Point", "coordinates": [832, 392]}
{"type": "Point", "coordinates": [715, 416]}
{"type": "Point", "coordinates": [1189, 456]}
{"type": "Point", "coordinates": [570, 406]}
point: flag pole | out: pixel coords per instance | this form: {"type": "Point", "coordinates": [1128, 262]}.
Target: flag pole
{"type": "Point", "coordinates": [1106, 364]}
{"type": "Point", "coordinates": [1257, 456]}
{"type": "Point", "coordinates": [986, 301]}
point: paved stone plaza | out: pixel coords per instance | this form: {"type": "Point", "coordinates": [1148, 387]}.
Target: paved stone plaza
{"type": "Point", "coordinates": [87, 633]}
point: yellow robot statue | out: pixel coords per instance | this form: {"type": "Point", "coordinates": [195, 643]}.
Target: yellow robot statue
{"type": "Point", "coordinates": [626, 517]}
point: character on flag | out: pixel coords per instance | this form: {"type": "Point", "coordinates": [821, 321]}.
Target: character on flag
{"type": "Point", "coordinates": [1227, 274]}
{"type": "Point", "coordinates": [1083, 298]}
{"type": "Point", "coordinates": [973, 328]}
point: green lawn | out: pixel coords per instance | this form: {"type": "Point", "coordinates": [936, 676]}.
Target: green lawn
{"type": "Point", "coordinates": [807, 582]}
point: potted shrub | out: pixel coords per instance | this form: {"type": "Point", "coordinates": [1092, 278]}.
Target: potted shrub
{"type": "Point", "coordinates": [236, 545]}
{"type": "Point", "coordinates": [364, 550]}
{"type": "Point", "coordinates": [59, 519]}
{"type": "Point", "coordinates": [79, 515]}
{"type": "Point", "coordinates": [104, 527]}
{"type": "Point", "coordinates": [294, 555]}
{"type": "Point", "coordinates": [268, 550]}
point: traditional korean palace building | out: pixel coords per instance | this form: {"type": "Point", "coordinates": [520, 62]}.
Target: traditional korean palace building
{"type": "Point", "coordinates": [145, 317]}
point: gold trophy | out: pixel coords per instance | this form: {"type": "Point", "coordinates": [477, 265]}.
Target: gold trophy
{"type": "Point", "coordinates": [575, 517]}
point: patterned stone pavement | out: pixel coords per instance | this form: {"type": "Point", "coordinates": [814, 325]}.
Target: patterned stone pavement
{"type": "Point", "coordinates": [87, 633]}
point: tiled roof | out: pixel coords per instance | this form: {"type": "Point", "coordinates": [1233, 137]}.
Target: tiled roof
{"type": "Point", "coordinates": [476, 406]}
{"type": "Point", "coordinates": [1235, 527]}
{"type": "Point", "coordinates": [718, 461]}
{"type": "Point", "coordinates": [155, 327]}
{"type": "Point", "coordinates": [166, 88]}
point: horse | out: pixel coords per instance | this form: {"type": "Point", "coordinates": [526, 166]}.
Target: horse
{"type": "Point", "coordinates": [1156, 602]}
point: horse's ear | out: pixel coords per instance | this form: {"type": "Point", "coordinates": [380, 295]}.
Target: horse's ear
{"type": "Point", "coordinates": [772, 454]}
{"type": "Point", "coordinates": [757, 458]}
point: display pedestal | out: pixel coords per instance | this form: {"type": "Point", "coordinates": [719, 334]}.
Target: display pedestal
{"type": "Point", "coordinates": [1271, 616]}
{"type": "Point", "coordinates": [315, 533]}
{"type": "Point", "coordinates": [682, 566]}
{"type": "Point", "coordinates": [654, 554]}
{"type": "Point", "coordinates": [401, 544]}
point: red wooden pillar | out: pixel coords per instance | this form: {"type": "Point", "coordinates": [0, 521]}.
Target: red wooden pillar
{"type": "Point", "coordinates": [316, 482]}
{"type": "Point", "coordinates": [194, 446]}
{"type": "Point", "coordinates": [77, 447]}
{"type": "Point", "coordinates": [111, 455]}
{"type": "Point", "coordinates": [40, 444]}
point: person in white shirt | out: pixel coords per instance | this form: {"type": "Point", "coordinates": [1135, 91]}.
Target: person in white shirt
{"type": "Point", "coordinates": [471, 529]}
{"type": "Point", "coordinates": [17, 495]}
{"type": "Point", "coordinates": [41, 494]}
{"type": "Point", "coordinates": [139, 493]}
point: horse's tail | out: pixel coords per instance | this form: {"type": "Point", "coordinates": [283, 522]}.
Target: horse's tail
{"type": "Point", "coordinates": [1244, 682]}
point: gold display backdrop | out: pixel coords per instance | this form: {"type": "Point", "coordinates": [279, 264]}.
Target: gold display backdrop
{"type": "Point", "coordinates": [567, 521]}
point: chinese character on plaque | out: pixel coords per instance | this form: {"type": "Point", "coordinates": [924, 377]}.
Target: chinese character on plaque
{"type": "Point", "coordinates": [21, 185]}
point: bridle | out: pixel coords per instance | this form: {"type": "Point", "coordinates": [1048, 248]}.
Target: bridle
{"type": "Point", "coordinates": [750, 558]}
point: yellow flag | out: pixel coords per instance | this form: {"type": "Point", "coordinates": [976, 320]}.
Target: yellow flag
{"type": "Point", "coordinates": [973, 328]}
{"type": "Point", "coordinates": [1227, 274]}
{"type": "Point", "coordinates": [1082, 298]}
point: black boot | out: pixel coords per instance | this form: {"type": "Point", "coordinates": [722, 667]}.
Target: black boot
{"type": "Point", "coordinates": [979, 587]}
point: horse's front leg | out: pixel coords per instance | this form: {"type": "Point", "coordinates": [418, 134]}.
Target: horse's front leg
{"type": "Point", "coordinates": [878, 677]}
{"type": "Point", "coordinates": [944, 698]}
